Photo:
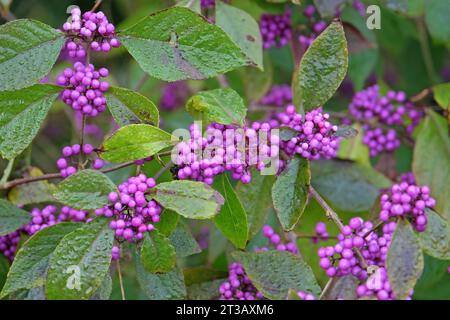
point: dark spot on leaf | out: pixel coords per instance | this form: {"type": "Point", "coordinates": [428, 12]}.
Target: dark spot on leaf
{"type": "Point", "coordinates": [251, 38]}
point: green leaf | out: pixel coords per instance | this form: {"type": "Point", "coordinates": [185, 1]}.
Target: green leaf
{"type": "Point", "coordinates": [86, 190]}
{"type": "Point", "coordinates": [11, 217]}
{"type": "Point", "coordinates": [168, 222]}
{"type": "Point", "coordinates": [157, 254]}
{"type": "Point", "coordinates": [202, 274]}
{"type": "Point", "coordinates": [30, 266]}
{"type": "Point", "coordinates": [223, 106]}
{"type": "Point", "coordinates": [242, 29]}
{"type": "Point", "coordinates": [28, 50]}
{"type": "Point", "coordinates": [105, 289]}
{"type": "Point", "coordinates": [178, 44]}
{"type": "Point", "coordinates": [275, 272]}
{"type": "Point", "coordinates": [290, 192]}
{"type": "Point", "coordinates": [346, 185]}
{"type": "Point", "coordinates": [183, 241]}
{"type": "Point", "coordinates": [208, 290]}
{"type": "Point", "coordinates": [22, 113]}
{"type": "Point", "coordinates": [322, 69]}
{"type": "Point", "coordinates": [191, 199]}
{"type": "Point", "coordinates": [34, 192]}
{"type": "Point", "coordinates": [433, 283]}
{"type": "Point", "coordinates": [354, 149]}
{"type": "Point", "coordinates": [232, 219]}
{"type": "Point", "coordinates": [342, 288]}
{"type": "Point", "coordinates": [134, 142]}
{"type": "Point", "coordinates": [4, 268]}
{"type": "Point", "coordinates": [161, 286]}
{"type": "Point", "coordinates": [435, 239]}
{"type": "Point", "coordinates": [431, 160]}
{"type": "Point", "coordinates": [436, 19]}
{"type": "Point", "coordinates": [130, 107]}
{"type": "Point", "coordinates": [442, 95]}
{"type": "Point", "coordinates": [256, 197]}
{"type": "Point", "coordinates": [80, 262]}
{"type": "Point", "coordinates": [404, 262]}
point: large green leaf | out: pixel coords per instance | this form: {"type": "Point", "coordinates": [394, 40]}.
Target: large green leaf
{"type": "Point", "coordinates": [342, 288]}
{"type": "Point", "coordinates": [436, 18]}
{"type": "Point", "coordinates": [275, 272]}
{"type": "Point", "coordinates": [130, 107]}
{"type": "Point", "coordinates": [232, 219]}
{"type": "Point", "coordinates": [34, 192]}
{"type": "Point", "coordinates": [168, 222]}
{"type": "Point", "coordinates": [105, 289]}
{"type": "Point", "coordinates": [322, 69]}
{"type": "Point", "coordinates": [256, 197]}
{"type": "Point", "coordinates": [290, 192]}
{"type": "Point", "coordinates": [404, 261]}
{"type": "Point", "coordinates": [28, 50]}
{"type": "Point", "coordinates": [161, 286]}
{"type": "Point", "coordinates": [157, 254]}
{"type": "Point", "coordinates": [242, 29]}
{"type": "Point", "coordinates": [346, 185]}
{"type": "Point", "coordinates": [435, 239]}
{"type": "Point", "coordinates": [183, 241]}
{"type": "Point", "coordinates": [431, 160]}
{"type": "Point", "coordinates": [30, 266]}
{"type": "Point", "coordinates": [86, 189]}
{"type": "Point", "coordinates": [177, 44]}
{"type": "Point", "coordinates": [433, 284]}
{"type": "Point", "coordinates": [191, 199]}
{"type": "Point", "coordinates": [223, 106]}
{"type": "Point", "coordinates": [442, 95]}
{"type": "Point", "coordinates": [22, 113]}
{"type": "Point", "coordinates": [11, 217]}
{"type": "Point", "coordinates": [80, 262]}
{"type": "Point", "coordinates": [134, 142]}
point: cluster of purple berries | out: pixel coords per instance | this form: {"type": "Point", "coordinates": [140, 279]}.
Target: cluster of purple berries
{"type": "Point", "coordinates": [409, 200]}
{"type": "Point", "coordinates": [317, 136]}
{"type": "Point", "coordinates": [316, 27]}
{"type": "Point", "coordinates": [305, 296]}
{"type": "Point", "coordinates": [92, 28]}
{"type": "Point", "coordinates": [276, 30]}
{"type": "Point", "coordinates": [84, 89]}
{"type": "Point", "coordinates": [321, 233]}
{"type": "Point", "coordinates": [340, 259]}
{"type": "Point", "coordinates": [174, 95]}
{"type": "Point", "coordinates": [9, 243]}
{"type": "Point", "coordinates": [238, 286]}
{"type": "Point", "coordinates": [225, 148]}
{"type": "Point", "coordinates": [207, 4]}
{"type": "Point", "coordinates": [131, 212]}
{"type": "Point", "coordinates": [378, 112]}
{"type": "Point", "coordinates": [279, 95]}
{"type": "Point", "coordinates": [64, 163]}
{"type": "Point", "coordinates": [275, 240]}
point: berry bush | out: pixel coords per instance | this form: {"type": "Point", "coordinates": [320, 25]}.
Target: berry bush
{"type": "Point", "coordinates": [232, 150]}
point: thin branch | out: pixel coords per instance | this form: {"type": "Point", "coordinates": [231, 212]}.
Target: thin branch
{"type": "Point", "coordinates": [333, 216]}
{"type": "Point", "coordinates": [421, 95]}
{"type": "Point", "coordinates": [222, 81]}
{"type": "Point", "coordinates": [379, 224]}
{"type": "Point", "coordinates": [83, 126]}
{"type": "Point", "coordinates": [119, 273]}
{"type": "Point", "coordinates": [326, 289]}
{"type": "Point", "coordinates": [141, 82]}
{"type": "Point", "coordinates": [96, 5]}
{"type": "Point", "coordinates": [163, 169]}
{"type": "Point", "coordinates": [7, 171]}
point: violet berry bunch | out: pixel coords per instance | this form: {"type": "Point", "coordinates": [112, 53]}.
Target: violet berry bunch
{"type": "Point", "coordinates": [276, 30]}
{"type": "Point", "coordinates": [407, 199]}
{"type": "Point", "coordinates": [383, 116]}
{"type": "Point", "coordinates": [279, 96]}
{"type": "Point", "coordinates": [314, 26]}
{"type": "Point", "coordinates": [84, 88]}
{"type": "Point", "coordinates": [90, 28]}
{"type": "Point", "coordinates": [67, 164]}
{"type": "Point", "coordinates": [9, 243]}
{"type": "Point", "coordinates": [131, 211]}
{"type": "Point", "coordinates": [317, 136]}
{"type": "Point", "coordinates": [276, 241]}
{"type": "Point", "coordinates": [238, 285]}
